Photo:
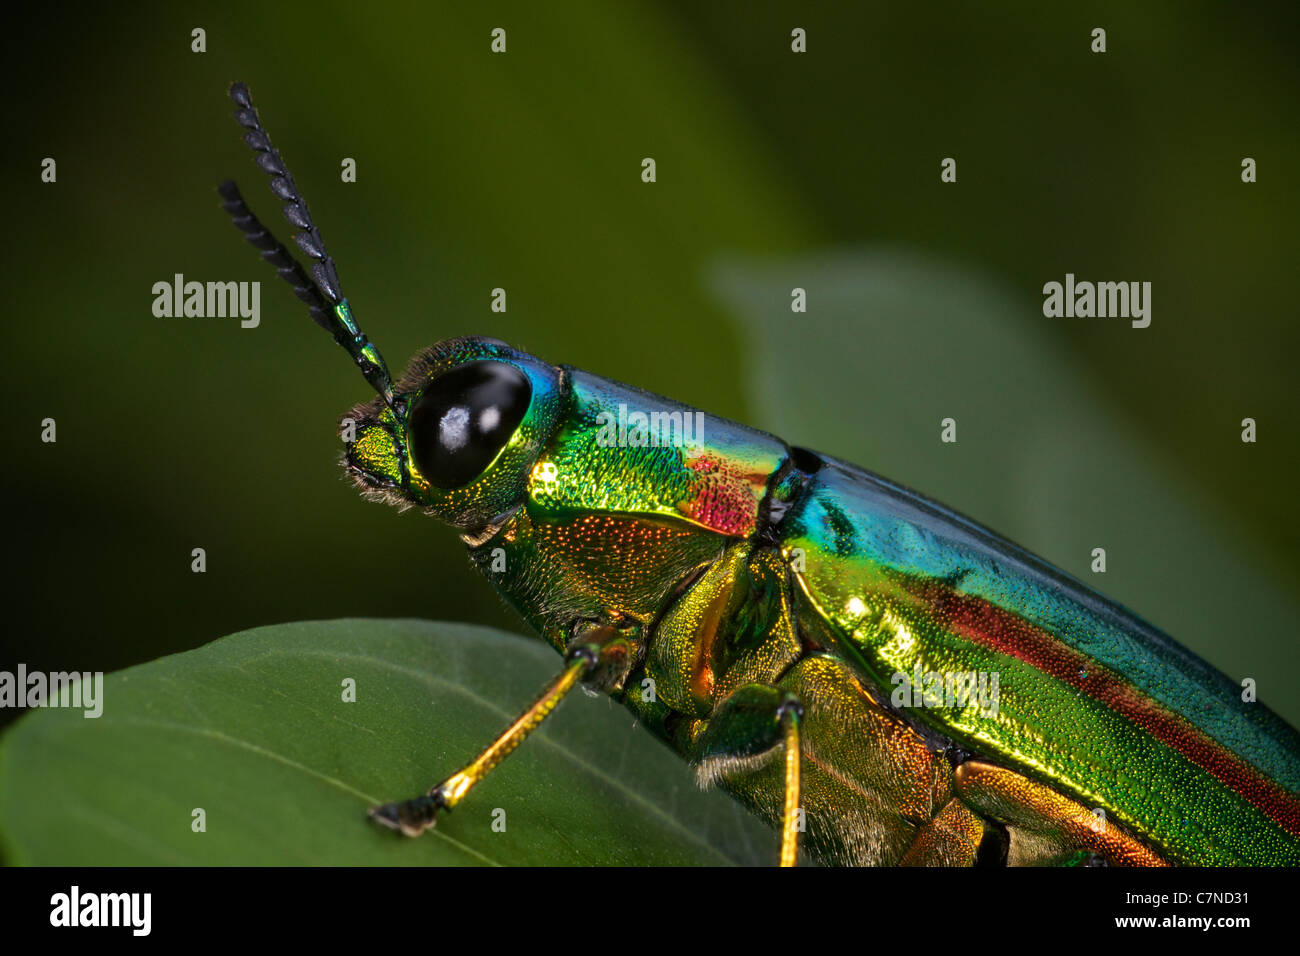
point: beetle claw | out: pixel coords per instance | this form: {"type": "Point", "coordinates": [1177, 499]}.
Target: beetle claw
{"type": "Point", "coordinates": [409, 817]}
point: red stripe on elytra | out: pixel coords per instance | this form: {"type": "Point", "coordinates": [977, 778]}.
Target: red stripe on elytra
{"type": "Point", "coordinates": [990, 626]}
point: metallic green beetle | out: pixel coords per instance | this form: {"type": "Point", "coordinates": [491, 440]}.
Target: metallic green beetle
{"type": "Point", "coordinates": [856, 663]}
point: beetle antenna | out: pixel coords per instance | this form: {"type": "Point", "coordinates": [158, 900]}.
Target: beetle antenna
{"type": "Point", "coordinates": [320, 291]}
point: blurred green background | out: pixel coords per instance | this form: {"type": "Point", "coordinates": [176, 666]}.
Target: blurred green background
{"type": "Point", "coordinates": [522, 171]}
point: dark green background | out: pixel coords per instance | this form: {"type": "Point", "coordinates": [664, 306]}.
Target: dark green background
{"type": "Point", "coordinates": [523, 171]}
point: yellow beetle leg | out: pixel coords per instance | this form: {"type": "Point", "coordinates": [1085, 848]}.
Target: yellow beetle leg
{"type": "Point", "coordinates": [603, 654]}
{"type": "Point", "coordinates": [745, 736]}
{"type": "Point", "coordinates": [791, 821]}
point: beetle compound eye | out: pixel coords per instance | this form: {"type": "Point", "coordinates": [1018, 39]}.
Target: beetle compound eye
{"type": "Point", "coordinates": [464, 419]}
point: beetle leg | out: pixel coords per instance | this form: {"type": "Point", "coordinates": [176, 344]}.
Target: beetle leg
{"type": "Point", "coordinates": [745, 733]}
{"type": "Point", "coordinates": [602, 655]}
{"type": "Point", "coordinates": [1045, 828]}
{"type": "Point", "coordinates": [952, 838]}
{"type": "Point", "coordinates": [789, 713]}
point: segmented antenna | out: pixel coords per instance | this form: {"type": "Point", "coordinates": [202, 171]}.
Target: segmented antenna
{"type": "Point", "coordinates": [320, 291]}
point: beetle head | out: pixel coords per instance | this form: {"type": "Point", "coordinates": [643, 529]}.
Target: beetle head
{"type": "Point", "coordinates": [460, 438]}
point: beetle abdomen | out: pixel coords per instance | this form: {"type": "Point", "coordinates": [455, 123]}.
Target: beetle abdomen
{"type": "Point", "coordinates": [1090, 699]}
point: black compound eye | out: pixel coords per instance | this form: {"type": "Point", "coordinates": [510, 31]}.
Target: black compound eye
{"type": "Point", "coordinates": [464, 418]}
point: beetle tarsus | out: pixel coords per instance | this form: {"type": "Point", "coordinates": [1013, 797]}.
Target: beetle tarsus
{"type": "Point", "coordinates": [410, 817]}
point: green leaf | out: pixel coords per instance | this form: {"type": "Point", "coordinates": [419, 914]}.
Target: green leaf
{"type": "Point", "coordinates": [253, 729]}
